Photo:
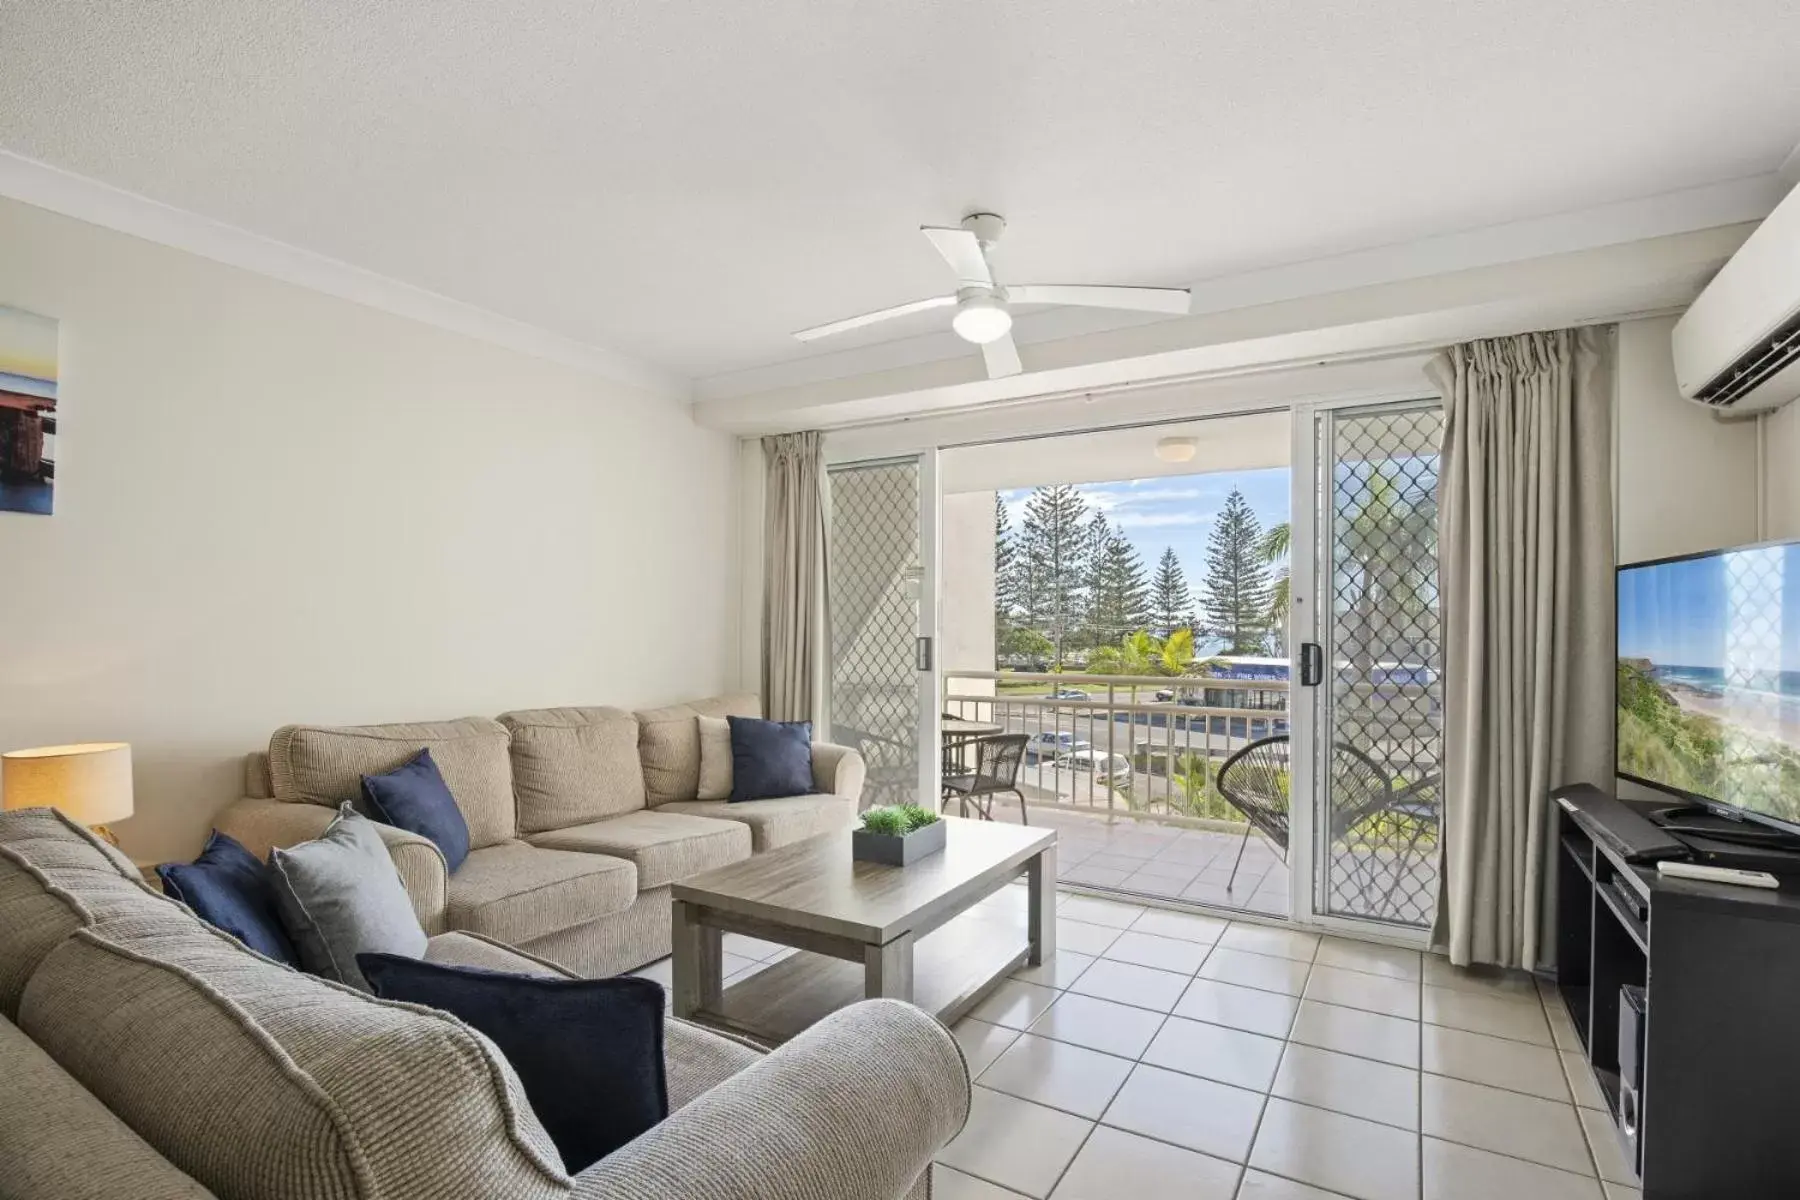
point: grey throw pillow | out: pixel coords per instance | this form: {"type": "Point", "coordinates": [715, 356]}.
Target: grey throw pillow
{"type": "Point", "coordinates": [340, 896]}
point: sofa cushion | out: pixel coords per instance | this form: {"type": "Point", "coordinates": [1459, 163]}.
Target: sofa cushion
{"type": "Point", "coordinates": [340, 895]}
{"type": "Point", "coordinates": [669, 743]}
{"type": "Point", "coordinates": [770, 759]}
{"type": "Point", "coordinates": [323, 765]}
{"type": "Point", "coordinates": [715, 758]}
{"type": "Point", "coordinates": [262, 1082]}
{"type": "Point", "coordinates": [57, 877]}
{"type": "Point", "coordinates": [665, 846]}
{"type": "Point", "coordinates": [229, 888]}
{"type": "Point", "coordinates": [574, 765]}
{"type": "Point", "coordinates": [779, 822]}
{"type": "Point", "coordinates": [588, 1052]}
{"type": "Point", "coordinates": [516, 892]}
{"type": "Point", "coordinates": [414, 797]}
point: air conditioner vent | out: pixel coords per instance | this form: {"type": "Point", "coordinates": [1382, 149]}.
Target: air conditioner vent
{"type": "Point", "coordinates": [1755, 367]}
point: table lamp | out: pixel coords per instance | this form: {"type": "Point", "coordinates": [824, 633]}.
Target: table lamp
{"type": "Point", "coordinates": [90, 783]}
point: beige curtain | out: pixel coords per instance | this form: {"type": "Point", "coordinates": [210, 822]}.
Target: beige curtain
{"type": "Point", "coordinates": [793, 575]}
{"type": "Point", "coordinates": [1526, 572]}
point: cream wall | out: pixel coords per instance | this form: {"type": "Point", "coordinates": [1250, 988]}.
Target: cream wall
{"type": "Point", "coordinates": [1781, 473]}
{"type": "Point", "coordinates": [966, 612]}
{"type": "Point", "coordinates": [1686, 481]}
{"type": "Point", "coordinates": [276, 506]}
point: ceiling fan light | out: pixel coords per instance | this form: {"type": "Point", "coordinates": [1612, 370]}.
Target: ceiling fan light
{"type": "Point", "coordinates": [981, 319]}
{"type": "Point", "coordinates": [1177, 449]}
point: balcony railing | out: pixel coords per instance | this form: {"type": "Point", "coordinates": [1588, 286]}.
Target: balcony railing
{"type": "Point", "coordinates": [1149, 749]}
{"type": "Point", "coordinates": [1138, 747]}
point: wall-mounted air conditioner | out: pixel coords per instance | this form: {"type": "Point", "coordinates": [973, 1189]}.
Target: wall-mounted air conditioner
{"type": "Point", "coordinates": [1737, 348]}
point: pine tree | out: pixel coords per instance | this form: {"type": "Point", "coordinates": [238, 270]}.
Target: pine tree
{"type": "Point", "coordinates": [1237, 578]}
{"type": "Point", "coordinates": [1171, 605]}
{"type": "Point", "coordinates": [1121, 594]}
{"type": "Point", "coordinates": [1053, 549]}
{"type": "Point", "coordinates": [1006, 571]}
{"type": "Point", "coordinates": [1094, 631]}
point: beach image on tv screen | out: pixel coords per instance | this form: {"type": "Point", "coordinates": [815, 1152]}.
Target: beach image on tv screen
{"type": "Point", "coordinates": [1709, 677]}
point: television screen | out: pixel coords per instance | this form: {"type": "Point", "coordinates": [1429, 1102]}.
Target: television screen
{"type": "Point", "coordinates": [1709, 678]}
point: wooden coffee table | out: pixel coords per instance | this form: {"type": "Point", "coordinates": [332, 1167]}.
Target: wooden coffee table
{"type": "Point", "coordinates": [863, 930]}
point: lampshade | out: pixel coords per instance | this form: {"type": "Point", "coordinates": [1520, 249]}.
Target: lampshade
{"type": "Point", "coordinates": [90, 784]}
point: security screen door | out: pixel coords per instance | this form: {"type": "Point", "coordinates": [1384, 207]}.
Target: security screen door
{"type": "Point", "coordinates": [1369, 719]}
{"type": "Point", "coordinates": [881, 586]}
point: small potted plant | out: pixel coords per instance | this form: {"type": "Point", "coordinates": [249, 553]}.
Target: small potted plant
{"type": "Point", "coordinates": [897, 836]}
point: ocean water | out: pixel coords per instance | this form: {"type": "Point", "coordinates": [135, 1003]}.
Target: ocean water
{"type": "Point", "coordinates": [1720, 679]}
{"type": "Point", "coordinates": [1753, 698]}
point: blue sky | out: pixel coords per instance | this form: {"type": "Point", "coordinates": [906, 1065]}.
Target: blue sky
{"type": "Point", "coordinates": [1175, 510]}
{"type": "Point", "coordinates": [1699, 612]}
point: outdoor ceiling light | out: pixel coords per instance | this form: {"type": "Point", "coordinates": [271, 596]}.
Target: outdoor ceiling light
{"type": "Point", "coordinates": [981, 319]}
{"type": "Point", "coordinates": [1177, 449]}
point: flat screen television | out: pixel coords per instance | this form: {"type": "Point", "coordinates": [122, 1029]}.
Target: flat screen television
{"type": "Point", "coordinates": [1708, 699]}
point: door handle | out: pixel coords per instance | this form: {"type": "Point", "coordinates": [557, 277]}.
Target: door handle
{"type": "Point", "coordinates": [1312, 664]}
{"type": "Point", "coordinates": [922, 653]}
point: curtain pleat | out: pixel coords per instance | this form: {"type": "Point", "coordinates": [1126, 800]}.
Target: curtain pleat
{"type": "Point", "coordinates": [1526, 584]}
{"type": "Point", "coordinates": [793, 575]}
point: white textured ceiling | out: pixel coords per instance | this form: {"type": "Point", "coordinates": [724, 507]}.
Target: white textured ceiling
{"type": "Point", "coordinates": [687, 181]}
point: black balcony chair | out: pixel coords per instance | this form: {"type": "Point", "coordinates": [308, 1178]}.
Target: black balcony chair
{"type": "Point", "coordinates": [997, 759]}
{"type": "Point", "coordinates": [1256, 779]}
{"type": "Point", "coordinates": [890, 773]}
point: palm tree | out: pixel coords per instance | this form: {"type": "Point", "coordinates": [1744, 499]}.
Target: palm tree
{"type": "Point", "coordinates": [1143, 653]}
{"type": "Point", "coordinates": [1274, 549]}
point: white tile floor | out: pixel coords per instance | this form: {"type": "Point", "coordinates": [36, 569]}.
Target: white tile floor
{"type": "Point", "coordinates": [1164, 1055]}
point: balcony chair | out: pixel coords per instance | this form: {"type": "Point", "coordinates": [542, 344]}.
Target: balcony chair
{"type": "Point", "coordinates": [1256, 780]}
{"type": "Point", "coordinates": [997, 759]}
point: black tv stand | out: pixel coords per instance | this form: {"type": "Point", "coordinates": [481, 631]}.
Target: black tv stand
{"type": "Point", "coordinates": [1719, 969]}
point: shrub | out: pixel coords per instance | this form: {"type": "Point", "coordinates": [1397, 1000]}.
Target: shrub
{"type": "Point", "coordinates": [898, 820]}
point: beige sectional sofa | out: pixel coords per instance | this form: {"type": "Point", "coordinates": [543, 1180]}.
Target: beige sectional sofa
{"type": "Point", "coordinates": [579, 819]}
{"type": "Point", "coordinates": [145, 1054]}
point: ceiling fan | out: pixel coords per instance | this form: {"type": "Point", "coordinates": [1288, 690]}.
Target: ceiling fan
{"type": "Point", "coordinates": [983, 307]}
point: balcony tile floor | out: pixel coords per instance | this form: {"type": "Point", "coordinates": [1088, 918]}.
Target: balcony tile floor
{"type": "Point", "coordinates": [1298, 1067]}
{"type": "Point", "coordinates": [1171, 862]}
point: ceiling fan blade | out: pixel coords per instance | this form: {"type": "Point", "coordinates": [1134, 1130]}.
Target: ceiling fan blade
{"type": "Point", "coordinates": [1142, 299]}
{"type": "Point", "coordinates": [1002, 357]}
{"type": "Point", "coordinates": [962, 250]}
{"type": "Point", "coordinates": [849, 323]}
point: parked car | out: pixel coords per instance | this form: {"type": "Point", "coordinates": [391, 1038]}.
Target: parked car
{"type": "Point", "coordinates": [1069, 694]}
{"type": "Point", "coordinates": [1105, 768]}
{"type": "Point", "coordinates": [1046, 746]}
{"type": "Point", "coordinates": [1165, 695]}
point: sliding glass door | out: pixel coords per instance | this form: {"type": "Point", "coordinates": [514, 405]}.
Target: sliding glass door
{"type": "Point", "coordinates": [881, 585]}
{"type": "Point", "coordinates": [1369, 715]}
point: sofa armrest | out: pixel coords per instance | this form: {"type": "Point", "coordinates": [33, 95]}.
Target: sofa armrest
{"type": "Point", "coordinates": [839, 770]}
{"type": "Point", "coordinates": [261, 825]}
{"type": "Point", "coordinates": [698, 1060]}
{"type": "Point", "coordinates": [57, 1139]}
{"type": "Point", "coordinates": [855, 1108]}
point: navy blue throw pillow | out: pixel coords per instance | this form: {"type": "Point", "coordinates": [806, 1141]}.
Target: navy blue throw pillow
{"type": "Point", "coordinates": [228, 887]}
{"type": "Point", "coordinates": [588, 1052]}
{"type": "Point", "coordinates": [770, 758]}
{"type": "Point", "coordinates": [413, 797]}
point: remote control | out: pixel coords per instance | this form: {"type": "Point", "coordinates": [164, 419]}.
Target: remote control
{"type": "Point", "coordinates": [1682, 870]}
